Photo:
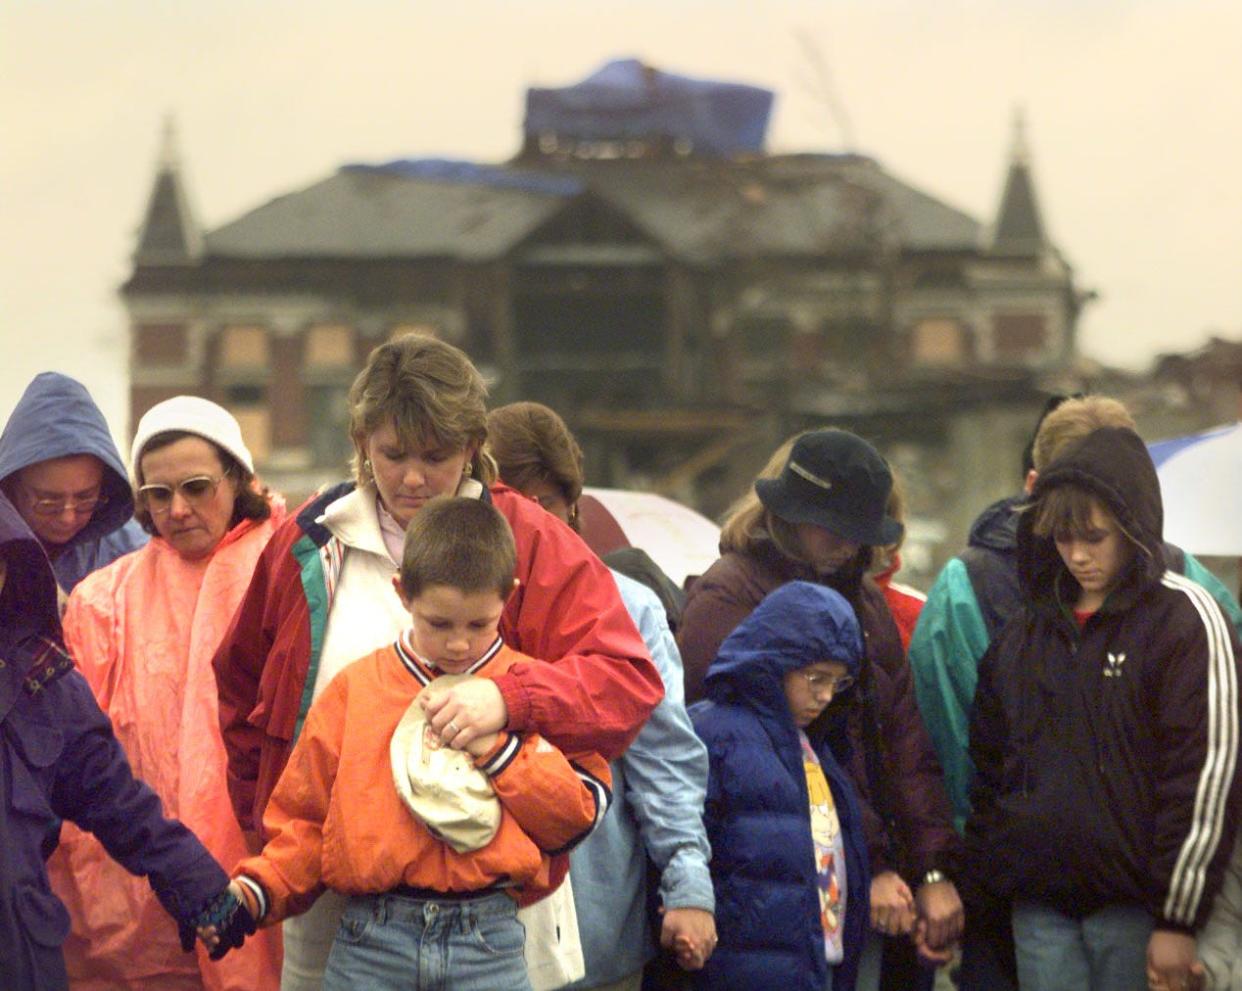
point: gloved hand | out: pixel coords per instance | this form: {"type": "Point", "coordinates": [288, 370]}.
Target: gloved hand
{"type": "Point", "coordinates": [223, 924]}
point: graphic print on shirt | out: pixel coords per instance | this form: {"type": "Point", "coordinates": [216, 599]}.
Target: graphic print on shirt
{"type": "Point", "coordinates": [829, 854]}
{"type": "Point", "coordinates": [1114, 665]}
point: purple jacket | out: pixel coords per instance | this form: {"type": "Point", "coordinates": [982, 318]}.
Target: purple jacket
{"type": "Point", "coordinates": [60, 760]}
{"type": "Point", "coordinates": [906, 816]}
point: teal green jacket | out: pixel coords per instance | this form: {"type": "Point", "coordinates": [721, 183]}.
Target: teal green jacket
{"type": "Point", "coordinates": [971, 599]}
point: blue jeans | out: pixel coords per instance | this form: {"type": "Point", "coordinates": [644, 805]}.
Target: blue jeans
{"type": "Point", "coordinates": [1104, 951]}
{"type": "Point", "coordinates": [391, 941]}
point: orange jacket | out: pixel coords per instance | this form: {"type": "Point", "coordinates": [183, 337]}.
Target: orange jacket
{"type": "Point", "coordinates": [336, 819]}
{"type": "Point", "coordinates": [143, 631]}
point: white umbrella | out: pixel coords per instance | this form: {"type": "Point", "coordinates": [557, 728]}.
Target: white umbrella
{"type": "Point", "coordinates": [680, 540]}
{"type": "Point", "coordinates": [1201, 483]}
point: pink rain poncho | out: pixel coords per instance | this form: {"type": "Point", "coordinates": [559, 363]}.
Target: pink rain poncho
{"type": "Point", "coordinates": [143, 631]}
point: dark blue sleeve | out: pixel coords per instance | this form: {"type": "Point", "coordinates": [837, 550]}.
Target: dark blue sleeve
{"type": "Point", "coordinates": [95, 788]}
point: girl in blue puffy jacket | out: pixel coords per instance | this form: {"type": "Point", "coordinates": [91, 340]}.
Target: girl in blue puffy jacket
{"type": "Point", "coordinates": [789, 862]}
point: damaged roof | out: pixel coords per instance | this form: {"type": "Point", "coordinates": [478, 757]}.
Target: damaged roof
{"type": "Point", "coordinates": [702, 211]}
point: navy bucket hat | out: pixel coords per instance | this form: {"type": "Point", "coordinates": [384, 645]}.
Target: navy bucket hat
{"type": "Point", "coordinates": [836, 480]}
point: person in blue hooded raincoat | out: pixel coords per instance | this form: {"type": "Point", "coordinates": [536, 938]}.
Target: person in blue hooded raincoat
{"type": "Point", "coordinates": [60, 760]}
{"type": "Point", "coordinates": [789, 860]}
{"type": "Point", "coordinates": [60, 468]}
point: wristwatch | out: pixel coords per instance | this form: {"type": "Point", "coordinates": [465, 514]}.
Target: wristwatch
{"type": "Point", "coordinates": [935, 877]}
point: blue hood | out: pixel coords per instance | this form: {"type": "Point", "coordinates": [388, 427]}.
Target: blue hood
{"type": "Point", "coordinates": [798, 624]}
{"type": "Point", "coordinates": [56, 417]}
{"type": "Point", "coordinates": [29, 595]}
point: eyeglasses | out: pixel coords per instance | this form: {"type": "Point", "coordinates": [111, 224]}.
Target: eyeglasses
{"type": "Point", "coordinates": [820, 683]}
{"type": "Point", "coordinates": [58, 507]}
{"type": "Point", "coordinates": [158, 498]}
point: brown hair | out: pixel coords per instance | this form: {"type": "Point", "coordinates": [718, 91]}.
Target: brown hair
{"type": "Point", "coordinates": [462, 543]}
{"type": "Point", "coordinates": [532, 444]}
{"type": "Point", "coordinates": [432, 393]}
{"type": "Point", "coordinates": [252, 501]}
{"type": "Point", "coordinates": [895, 508]}
{"type": "Point", "coordinates": [1073, 420]}
{"type": "Point", "coordinates": [1064, 512]}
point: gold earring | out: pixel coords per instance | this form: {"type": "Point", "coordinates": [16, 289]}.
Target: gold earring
{"type": "Point", "coordinates": [468, 470]}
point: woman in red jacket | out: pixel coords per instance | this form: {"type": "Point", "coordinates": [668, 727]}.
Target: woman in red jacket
{"type": "Point", "coordinates": [815, 512]}
{"type": "Point", "coordinates": [321, 597]}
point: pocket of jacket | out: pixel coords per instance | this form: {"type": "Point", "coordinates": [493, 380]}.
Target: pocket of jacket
{"type": "Point", "coordinates": [42, 915]}
{"type": "Point", "coordinates": [38, 743]}
{"type": "Point", "coordinates": [38, 748]}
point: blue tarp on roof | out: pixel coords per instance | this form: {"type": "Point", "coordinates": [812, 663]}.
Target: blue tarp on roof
{"type": "Point", "coordinates": [473, 174]}
{"type": "Point", "coordinates": [627, 99]}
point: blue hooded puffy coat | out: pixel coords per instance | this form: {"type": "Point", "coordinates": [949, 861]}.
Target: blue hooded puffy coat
{"type": "Point", "coordinates": [758, 813]}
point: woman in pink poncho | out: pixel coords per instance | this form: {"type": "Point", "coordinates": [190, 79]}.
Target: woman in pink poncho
{"type": "Point", "coordinates": [143, 631]}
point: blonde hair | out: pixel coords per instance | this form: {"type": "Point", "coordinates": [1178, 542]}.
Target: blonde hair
{"type": "Point", "coordinates": [430, 391]}
{"type": "Point", "coordinates": [1073, 420]}
{"type": "Point", "coordinates": [531, 443]}
{"type": "Point", "coordinates": [748, 523]}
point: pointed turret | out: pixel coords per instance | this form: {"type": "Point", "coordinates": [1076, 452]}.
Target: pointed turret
{"type": "Point", "coordinates": [1019, 230]}
{"type": "Point", "coordinates": [169, 234]}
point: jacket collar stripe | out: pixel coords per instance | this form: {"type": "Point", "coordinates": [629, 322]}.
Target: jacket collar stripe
{"type": "Point", "coordinates": [426, 672]}
{"type": "Point", "coordinates": [1212, 792]}
{"type": "Point", "coordinates": [413, 663]}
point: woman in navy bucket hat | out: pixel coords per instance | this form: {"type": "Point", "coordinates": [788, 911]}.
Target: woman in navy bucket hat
{"type": "Point", "coordinates": [835, 480]}
{"type": "Point", "coordinates": [814, 514]}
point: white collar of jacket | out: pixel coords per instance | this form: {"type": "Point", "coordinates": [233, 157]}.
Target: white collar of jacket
{"type": "Point", "coordinates": [354, 520]}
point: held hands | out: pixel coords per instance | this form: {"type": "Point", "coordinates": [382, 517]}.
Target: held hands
{"type": "Point", "coordinates": [892, 905]}
{"type": "Point", "coordinates": [690, 933]}
{"type": "Point", "coordinates": [940, 920]}
{"type": "Point", "coordinates": [1172, 963]}
{"type": "Point", "coordinates": [467, 711]}
{"type": "Point", "coordinates": [223, 925]}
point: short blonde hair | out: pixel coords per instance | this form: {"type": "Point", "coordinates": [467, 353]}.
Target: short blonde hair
{"type": "Point", "coordinates": [1073, 420]}
{"type": "Point", "coordinates": [430, 391]}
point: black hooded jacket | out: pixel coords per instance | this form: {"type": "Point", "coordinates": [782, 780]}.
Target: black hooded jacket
{"type": "Point", "coordinates": [1106, 757]}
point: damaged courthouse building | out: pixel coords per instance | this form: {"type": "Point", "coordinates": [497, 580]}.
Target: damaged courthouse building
{"type": "Point", "coordinates": [684, 298]}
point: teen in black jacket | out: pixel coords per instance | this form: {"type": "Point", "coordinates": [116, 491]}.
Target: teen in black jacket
{"type": "Point", "coordinates": [1104, 735]}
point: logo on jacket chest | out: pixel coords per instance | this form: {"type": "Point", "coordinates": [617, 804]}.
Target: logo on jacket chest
{"type": "Point", "coordinates": [1114, 664]}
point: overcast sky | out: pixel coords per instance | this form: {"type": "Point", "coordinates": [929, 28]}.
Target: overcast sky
{"type": "Point", "coordinates": [1132, 110]}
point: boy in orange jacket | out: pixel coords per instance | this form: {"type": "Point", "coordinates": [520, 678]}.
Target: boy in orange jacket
{"type": "Point", "coordinates": [435, 847]}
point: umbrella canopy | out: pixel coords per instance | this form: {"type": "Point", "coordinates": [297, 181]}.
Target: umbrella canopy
{"type": "Point", "coordinates": [1200, 483]}
{"type": "Point", "coordinates": [681, 541]}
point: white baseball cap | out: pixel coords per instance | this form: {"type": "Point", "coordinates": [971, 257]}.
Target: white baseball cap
{"type": "Point", "coordinates": [440, 785]}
